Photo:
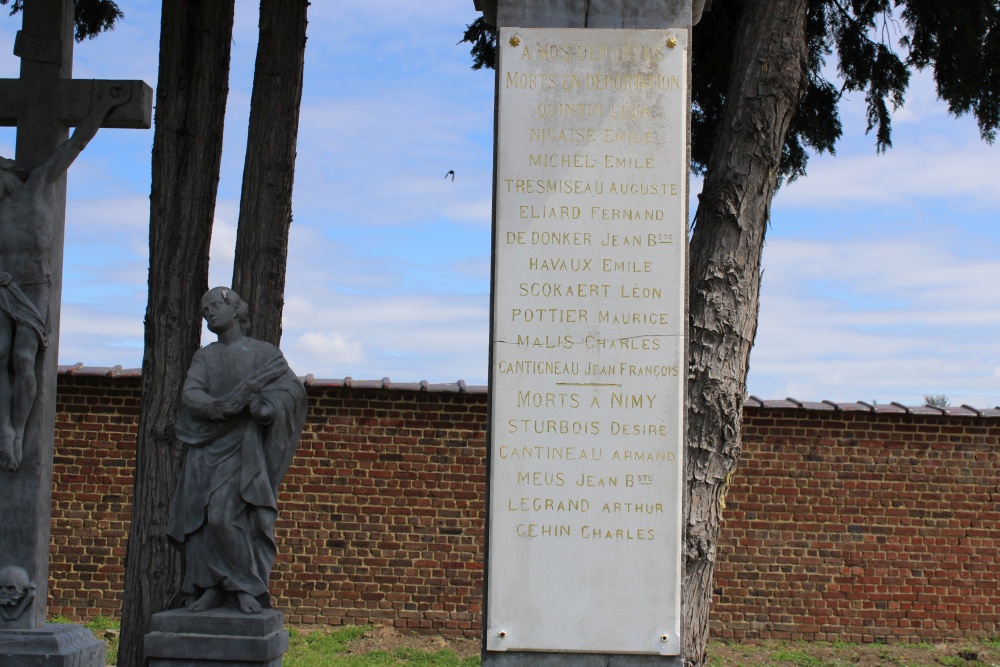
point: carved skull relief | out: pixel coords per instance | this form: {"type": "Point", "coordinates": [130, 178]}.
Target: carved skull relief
{"type": "Point", "coordinates": [16, 592]}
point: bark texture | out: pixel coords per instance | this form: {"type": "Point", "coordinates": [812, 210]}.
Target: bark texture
{"type": "Point", "coordinates": [266, 201]}
{"type": "Point", "coordinates": [767, 80]}
{"type": "Point", "coordinates": [195, 41]}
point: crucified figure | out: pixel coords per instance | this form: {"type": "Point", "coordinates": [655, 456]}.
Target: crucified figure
{"type": "Point", "coordinates": [26, 235]}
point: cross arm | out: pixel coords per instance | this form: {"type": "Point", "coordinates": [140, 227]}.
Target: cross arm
{"type": "Point", "coordinates": [73, 99]}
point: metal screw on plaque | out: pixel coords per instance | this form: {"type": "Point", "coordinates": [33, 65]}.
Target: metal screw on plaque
{"type": "Point", "coordinates": [514, 41]}
{"type": "Point", "coordinates": [671, 42]}
{"type": "Point", "coordinates": [503, 633]}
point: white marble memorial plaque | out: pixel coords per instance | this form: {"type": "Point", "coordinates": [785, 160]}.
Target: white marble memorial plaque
{"type": "Point", "coordinates": [586, 474]}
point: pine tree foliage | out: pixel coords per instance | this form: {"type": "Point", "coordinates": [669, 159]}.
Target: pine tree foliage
{"type": "Point", "coordinates": [483, 38]}
{"type": "Point", "coordinates": [92, 16]}
{"type": "Point", "coordinates": [875, 46]}
{"type": "Point", "coordinates": [961, 41]}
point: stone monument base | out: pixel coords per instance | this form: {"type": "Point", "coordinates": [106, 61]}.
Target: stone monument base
{"type": "Point", "coordinates": [223, 637]}
{"type": "Point", "coordinates": [51, 645]}
{"type": "Point", "coordinates": [542, 659]}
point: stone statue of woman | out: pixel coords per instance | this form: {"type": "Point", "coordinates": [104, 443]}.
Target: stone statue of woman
{"type": "Point", "coordinates": [243, 410]}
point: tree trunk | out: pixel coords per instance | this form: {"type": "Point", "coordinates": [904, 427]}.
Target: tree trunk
{"type": "Point", "coordinates": [195, 41]}
{"type": "Point", "coordinates": [266, 201]}
{"type": "Point", "coordinates": [767, 80]}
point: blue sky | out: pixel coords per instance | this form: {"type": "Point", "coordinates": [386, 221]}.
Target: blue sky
{"type": "Point", "coordinates": [880, 272]}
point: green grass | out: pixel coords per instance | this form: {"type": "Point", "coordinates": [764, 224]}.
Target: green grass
{"type": "Point", "coordinates": [799, 658]}
{"type": "Point", "coordinates": [770, 653]}
{"type": "Point", "coordinates": [329, 648]}
{"type": "Point", "coordinates": [962, 660]}
{"type": "Point", "coordinates": [889, 656]}
{"type": "Point", "coordinates": [320, 648]}
{"type": "Point", "coordinates": [100, 626]}
{"type": "Point", "coordinates": [842, 645]}
{"type": "Point", "coordinates": [952, 661]}
{"type": "Point", "coordinates": [306, 649]}
{"type": "Point", "coordinates": [326, 648]}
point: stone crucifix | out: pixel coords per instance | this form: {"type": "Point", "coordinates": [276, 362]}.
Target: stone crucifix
{"type": "Point", "coordinates": [43, 104]}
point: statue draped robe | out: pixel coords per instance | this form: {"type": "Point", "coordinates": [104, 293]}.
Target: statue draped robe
{"type": "Point", "coordinates": [224, 507]}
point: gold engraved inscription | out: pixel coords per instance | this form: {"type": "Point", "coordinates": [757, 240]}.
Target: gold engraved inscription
{"type": "Point", "coordinates": [543, 530]}
{"type": "Point", "coordinates": [562, 160]}
{"type": "Point", "coordinates": [559, 264]}
{"type": "Point", "coordinates": [583, 225]}
{"type": "Point", "coordinates": [579, 290]}
{"type": "Point", "coordinates": [549, 238]}
{"type": "Point", "coordinates": [548, 504]}
{"type": "Point", "coordinates": [548, 399]}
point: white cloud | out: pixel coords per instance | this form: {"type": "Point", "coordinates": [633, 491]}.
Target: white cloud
{"type": "Point", "coordinates": [328, 348]}
{"type": "Point", "coordinates": [100, 336]}
{"type": "Point", "coordinates": [406, 337]}
{"type": "Point", "coordinates": [935, 157]}
{"type": "Point", "coordinates": [877, 318]}
{"type": "Point", "coordinates": [127, 52]}
{"type": "Point", "coordinates": [99, 217]}
{"type": "Point", "coordinates": [936, 167]}
{"type": "Point", "coordinates": [480, 212]}
{"type": "Point", "coordinates": [476, 267]}
{"type": "Point", "coordinates": [222, 252]}
{"type": "Point", "coordinates": [381, 158]}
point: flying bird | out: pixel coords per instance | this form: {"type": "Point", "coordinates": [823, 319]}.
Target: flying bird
{"type": "Point", "coordinates": [451, 172]}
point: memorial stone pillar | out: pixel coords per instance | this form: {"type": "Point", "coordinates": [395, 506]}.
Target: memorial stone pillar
{"type": "Point", "coordinates": [588, 323]}
{"type": "Point", "coordinates": [43, 103]}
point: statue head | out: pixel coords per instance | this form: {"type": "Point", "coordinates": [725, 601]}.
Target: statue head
{"type": "Point", "coordinates": [240, 308]}
{"type": "Point", "coordinates": [14, 585]}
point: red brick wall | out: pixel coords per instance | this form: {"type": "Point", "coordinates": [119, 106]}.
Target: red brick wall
{"type": "Point", "coordinates": [861, 527]}
{"type": "Point", "coordinates": [381, 511]}
{"type": "Point", "coordinates": [839, 525]}
{"type": "Point", "coordinates": [91, 494]}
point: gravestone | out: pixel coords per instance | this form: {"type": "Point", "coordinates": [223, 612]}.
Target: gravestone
{"type": "Point", "coordinates": [587, 365]}
{"type": "Point", "coordinates": [43, 103]}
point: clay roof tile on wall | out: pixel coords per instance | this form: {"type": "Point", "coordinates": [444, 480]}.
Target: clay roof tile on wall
{"type": "Point", "coordinates": [460, 387]}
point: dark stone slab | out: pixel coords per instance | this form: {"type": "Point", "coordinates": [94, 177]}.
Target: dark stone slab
{"type": "Point", "coordinates": [221, 621]}
{"type": "Point", "coordinates": [221, 637]}
{"type": "Point", "coordinates": [51, 645]}
{"type": "Point", "coordinates": [593, 13]}
{"type": "Point", "coordinates": [539, 659]}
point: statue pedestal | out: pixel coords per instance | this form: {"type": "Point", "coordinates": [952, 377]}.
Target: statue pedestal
{"type": "Point", "coordinates": [51, 645]}
{"type": "Point", "coordinates": [223, 637]}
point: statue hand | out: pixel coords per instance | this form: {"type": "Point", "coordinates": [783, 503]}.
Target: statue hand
{"type": "Point", "coordinates": [216, 410]}
{"type": "Point", "coordinates": [235, 403]}
{"type": "Point", "coordinates": [259, 410]}
{"type": "Point", "coordinates": [248, 391]}
{"type": "Point", "coordinates": [117, 94]}
{"type": "Point", "coordinates": [220, 409]}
